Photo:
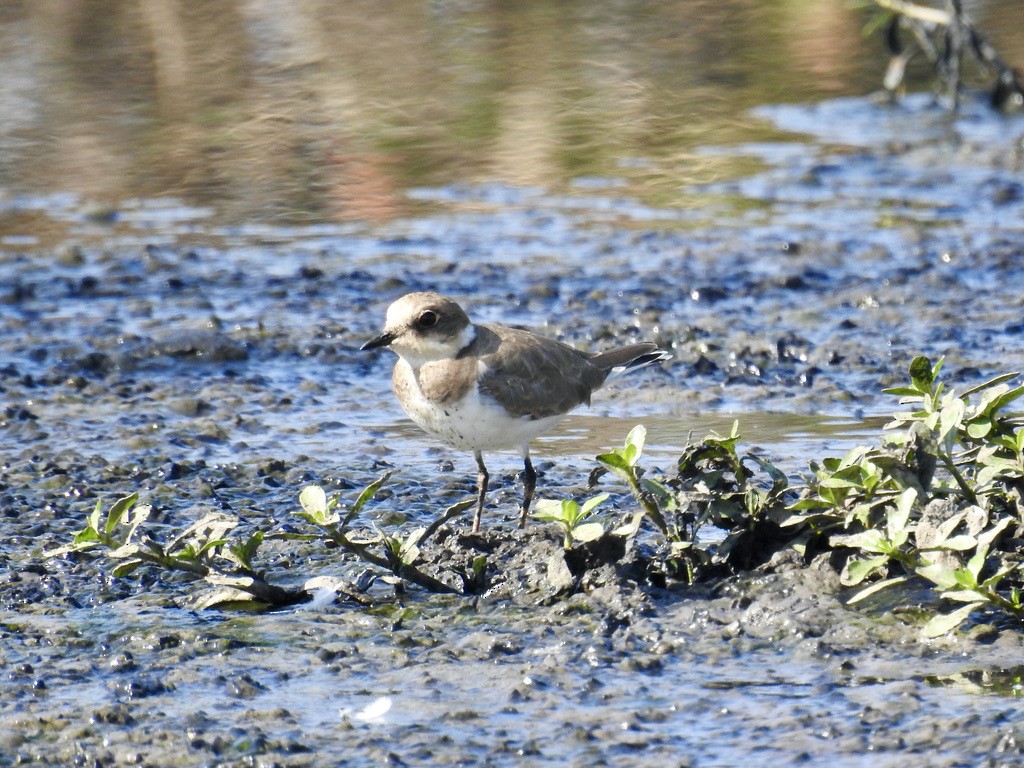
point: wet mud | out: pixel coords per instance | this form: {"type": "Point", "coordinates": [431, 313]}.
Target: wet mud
{"type": "Point", "coordinates": [214, 368]}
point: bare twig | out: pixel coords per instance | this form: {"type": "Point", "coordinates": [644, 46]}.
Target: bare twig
{"type": "Point", "coordinates": [912, 11]}
{"type": "Point", "coordinates": [943, 36]}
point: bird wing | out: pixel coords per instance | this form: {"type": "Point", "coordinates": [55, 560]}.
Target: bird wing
{"type": "Point", "coordinates": [531, 376]}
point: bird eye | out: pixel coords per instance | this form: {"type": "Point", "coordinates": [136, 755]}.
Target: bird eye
{"type": "Point", "coordinates": [428, 319]}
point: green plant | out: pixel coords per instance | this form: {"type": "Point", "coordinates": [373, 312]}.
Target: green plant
{"type": "Point", "coordinates": [570, 516]}
{"type": "Point", "coordinates": [390, 552]}
{"type": "Point", "coordinates": [934, 501]}
{"type": "Point", "coordinates": [712, 486]}
{"type": "Point", "coordinates": [211, 551]}
{"type": "Point", "coordinates": [880, 545]}
{"type": "Point", "coordinates": [203, 550]}
{"type": "Point", "coordinates": [651, 496]}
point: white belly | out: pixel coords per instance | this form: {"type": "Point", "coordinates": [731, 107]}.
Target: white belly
{"type": "Point", "coordinates": [476, 423]}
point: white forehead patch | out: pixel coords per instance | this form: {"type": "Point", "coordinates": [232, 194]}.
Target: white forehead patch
{"type": "Point", "coordinates": [398, 314]}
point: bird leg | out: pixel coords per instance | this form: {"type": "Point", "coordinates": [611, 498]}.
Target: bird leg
{"type": "Point", "coordinates": [481, 489]}
{"type": "Point", "coordinates": [529, 486]}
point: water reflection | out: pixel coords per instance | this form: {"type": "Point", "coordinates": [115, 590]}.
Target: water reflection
{"type": "Point", "coordinates": [792, 436]}
{"type": "Point", "coordinates": [330, 110]}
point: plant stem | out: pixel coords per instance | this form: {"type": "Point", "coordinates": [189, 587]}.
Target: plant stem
{"type": "Point", "coordinates": [967, 491]}
{"type": "Point", "coordinates": [401, 570]}
{"type": "Point", "coordinates": [650, 505]}
{"type": "Point", "coordinates": [258, 587]}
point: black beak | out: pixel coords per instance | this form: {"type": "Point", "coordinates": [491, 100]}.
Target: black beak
{"type": "Point", "coordinates": [381, 341]}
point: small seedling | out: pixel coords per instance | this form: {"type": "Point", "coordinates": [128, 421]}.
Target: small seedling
{"type": "Point", "coordinates": [624, 463]}
{"type": "Point", "coordinates": [570, 516]}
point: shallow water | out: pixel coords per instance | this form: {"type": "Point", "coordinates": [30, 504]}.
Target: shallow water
{"type": "Point", "coordinates": [542, 688]}
{"type": "Point", "coordinates": [189, 264]}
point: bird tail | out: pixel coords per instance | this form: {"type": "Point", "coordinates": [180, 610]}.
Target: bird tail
{"type": "Point", "coordinates": [625, 359]}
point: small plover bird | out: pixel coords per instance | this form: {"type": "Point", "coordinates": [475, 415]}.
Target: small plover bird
{"type": "Point", "coordinates": [487, 387]}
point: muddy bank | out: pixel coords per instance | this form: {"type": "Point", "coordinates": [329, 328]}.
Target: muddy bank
{"type": "Point", "coordinates": [772, 667]}
{"type": "Point", "coordinates": [218, 369]}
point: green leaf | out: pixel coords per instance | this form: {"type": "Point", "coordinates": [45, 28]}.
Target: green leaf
{"type": "Point", "coordinates": [989, 535]}
{"type": "Point", "coordinates": [662, 495]}
{"type": "Point", "coordinates": [857, 570]}
{"type": "Point", "coordinates": [94, 518]}
{"type": "Point", "coordinates": [316, 507]}
{"type": "Point", "coordinates": [155, 547]}
{"type": "Point", "coordinates": [635, 443]}
{"type": "Point", "coordinates": [789, 521]}
{"type": "Point", "coordinates": [616, 462]}
{"type": "Point", "coordinates": [1006, 398]}
{"type": "Point", "coordinates": [942, 576]}
{"type": "Point", "coordinates": [409, 550]}
{"type": "Point", "coordinates": [117, 511]}
{"type": "Point", "coordinates": [87, 535]}
{"type": "Point", "coordinates": [808, 504]}
{"type": "Point", "coordinates": [571, 512]}
{"type": "Point", "coordinates": [896, 540]}
{"type": "Point", "coordinates": [965, 595]}
{"type": "Point", "coordinates": [69, 548]}
{"type": "Point", "coordinates": [979, 428]}
{"type": "Point", "coordinates": [922, 374]}
{"type": "Point", "coordinates": [479, 564]}
{"type": "Point", "coordinates": [839, 482]}
{"type": "Point", "coordinates": [128, 566]}
{"type": "Point", "coordinates": [212, 527]}
{"type": "Point", "coordinates": [779, 479]}
{"type": "Point", "coordinates": [878, 586]}
{"type": "Point", "coordinates": [139, 515]}
{"type": "Point", "coordinates": [990, 383]}
{"type": "Point", "coordinates": [974, 566]}
{"type": "Point", "coordinates": [589, 505]}
{"type": "Point", "coordinates": [227, 599]}
{"type": "Point", "coordinates": [550, 510]}
{"type": "Point", "coordinates": [965, 577]}
{"type": "Point", "coordinates": [313, 500]}
{"type": "Point", "coordinates": [392, 544]}
{"type": "Point", "coordinates": [244, 552]}
{"type": "Point", "coordinates": [950, 418]}
{"type": "Point", "coordinates": [898, 515]}
{"type": "Point", "coordinates": [588, 532]}
{"type": "Point", "coordinates": [287, 536]}
{"type": "Point", "coordinates": [122, 552]}
{"type": "Point", "coordinates": [993, 581]}
{"type": "Point", "coordinates": [902, 392]}
{"type": "Point", "coordinates": [871, 540]}
{"type": "Point", "coordinates": [947, 622]}
{"type": "Point", "coordinates": [959, 543]}
{"type": "Point", "coordinates": [366, 495]}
